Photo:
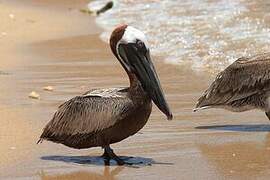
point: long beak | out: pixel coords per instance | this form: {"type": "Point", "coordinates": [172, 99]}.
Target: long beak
{"type": "Point", "coordinates": [139, 62]}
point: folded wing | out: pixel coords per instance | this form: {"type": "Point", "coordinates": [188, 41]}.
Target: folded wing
{"type": "Point", "coordinates": [85, 115]}
{"type": "Point", "coordinates": [243, 78]}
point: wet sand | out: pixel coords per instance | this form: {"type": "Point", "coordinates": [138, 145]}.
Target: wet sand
{"type": "Point", "coordinates": [47, 44]}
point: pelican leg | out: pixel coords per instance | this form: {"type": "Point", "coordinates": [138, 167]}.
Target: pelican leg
{"type": "Point", "coordinates": [109, 154]}
{"type": "Point", "coordinates": [106, 158]}
{"type": "Point", "coordinates": [267, 114]}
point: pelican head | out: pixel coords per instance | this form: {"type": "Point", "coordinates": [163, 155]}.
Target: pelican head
{"type": "Point", "coordinates": [130, 47]}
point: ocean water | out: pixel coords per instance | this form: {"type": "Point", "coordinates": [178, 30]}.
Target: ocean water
{"type": "Point", "coordinates": [206, 35]}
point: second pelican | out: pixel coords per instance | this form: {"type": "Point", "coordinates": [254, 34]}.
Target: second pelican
{"type": "Point", "coordinates": [242, 86]}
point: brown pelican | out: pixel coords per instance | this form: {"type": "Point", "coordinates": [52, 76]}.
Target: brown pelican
{"type": "Point", "coordinates": [242, 86]}
{"type": "Point", "coordinates": [106, 116]}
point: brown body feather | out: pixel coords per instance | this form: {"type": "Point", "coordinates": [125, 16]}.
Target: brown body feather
{"type": "Point", "coordinates": [243, 85]}
{"type": "Point", "coordinates": [99, 117]}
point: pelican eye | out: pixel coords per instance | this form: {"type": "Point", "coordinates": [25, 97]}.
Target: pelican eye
{"type": "Point", "coordinates": [140, 44]}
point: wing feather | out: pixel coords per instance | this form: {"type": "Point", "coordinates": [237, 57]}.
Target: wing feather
{"type": "Point", "coordinates": [243, 78]}
{"type": "Point", "coordinates": [86, 115]}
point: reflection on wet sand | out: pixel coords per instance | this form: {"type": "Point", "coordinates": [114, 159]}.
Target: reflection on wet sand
{"type": "Point", "coordinates": [108, 173]}
{"type": "Point", "coordinates": [239, 159]}
{"type": "Point", "coordinates": [240, 127]}
{"type": "Point", "coordinates": [100, 161]}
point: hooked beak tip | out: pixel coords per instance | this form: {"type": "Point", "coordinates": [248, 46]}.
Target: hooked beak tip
{"type": "Point", "coordinates": [169, 117]}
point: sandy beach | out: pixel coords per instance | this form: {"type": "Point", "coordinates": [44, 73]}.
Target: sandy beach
{"type": "Point", "coordinates": [51, 43]}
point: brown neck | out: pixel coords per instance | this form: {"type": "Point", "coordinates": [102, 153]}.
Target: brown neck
{"type": "Point", "coordinates": [135, 89]}
{"type": "Point", "coordinates": [133, 80]}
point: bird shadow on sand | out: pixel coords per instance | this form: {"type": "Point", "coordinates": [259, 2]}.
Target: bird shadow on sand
{"type": "Point", "coordinates": [99, 161]}
{"type": "Point", "coordinates": [240, 127]}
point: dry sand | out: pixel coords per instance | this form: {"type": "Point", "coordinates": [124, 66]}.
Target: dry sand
{"type": "Point", "coordinates": [47, 44]}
